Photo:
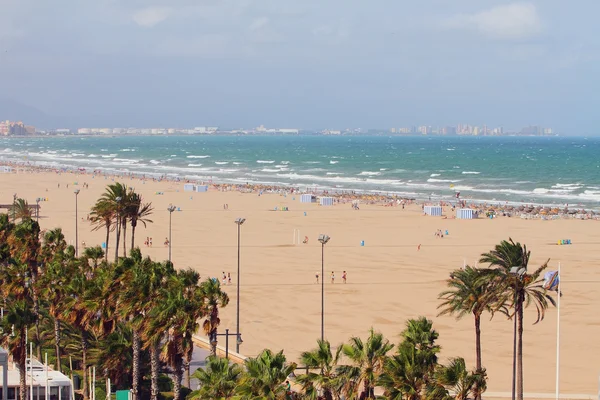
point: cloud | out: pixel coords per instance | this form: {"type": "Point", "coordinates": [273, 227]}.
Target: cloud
{"type": "Point", "coordinates": [150, 16]}
{"type": "Point", "coordinates": [510, 21]}
{"type": "Point", "coordinates": [258, 23]}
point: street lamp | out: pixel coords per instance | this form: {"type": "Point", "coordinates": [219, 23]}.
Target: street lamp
{"type": "Point", "coordinates": [170, 209]}
{"type": "Point", "coordinates": [118, 200]}
{"type": "Point", "coordinates": [518, 272]}
{"type": "Point", "coordinates": [76, 225]}
{"type": "Point", "coordinates": [323, 239]}
{"type": "Point", "coordinates": [239, 223]}
{"type": "Point", "coordinates": [213, 340]}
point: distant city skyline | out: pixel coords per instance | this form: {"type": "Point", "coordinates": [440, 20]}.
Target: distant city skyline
{"type": "Point", "coordinates": [310, 64]}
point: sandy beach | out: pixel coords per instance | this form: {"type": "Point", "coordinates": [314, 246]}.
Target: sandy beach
{"type": "Point", "coordinates": [389, 280]}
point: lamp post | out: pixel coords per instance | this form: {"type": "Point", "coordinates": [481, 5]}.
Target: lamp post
{"type": "Point", "coordinates": [239, 340]}
{"type": "Point", "coordinates": [118, 200]}
{"type": "Point", "coordinates": [323, 239]}
{"type": "Point", "coordinates": [170, 209]}
{"type": "Point", "coordinates": [14, 210]}
{"type": "Point", "coordinates": [239, 223]}
{"type": "Point", "coordinates": [76, 225]}
{"type": "Point", "coordinates": [518, 272]}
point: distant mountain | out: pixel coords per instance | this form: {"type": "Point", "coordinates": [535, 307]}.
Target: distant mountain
{"type": "Point", "coordinates": [15, 111]}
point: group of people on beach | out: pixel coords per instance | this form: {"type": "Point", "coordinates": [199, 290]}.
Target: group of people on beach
{"type": "Point", "coordinates": [344, 277]}
{"type": "Point", "coordinates": [226, 278]}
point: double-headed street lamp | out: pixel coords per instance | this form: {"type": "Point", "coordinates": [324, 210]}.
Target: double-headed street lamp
{"type": "Point", "coordinates": [213, 340]}
{"type": "Point", "coordinates": [518, 272]}
{"type": "Point", "coordinates": [323, 239]}
{"type": "Point", "coordinates": [76, 224]}
{"type": "Point", "coordinates": [170, 209]}
{"type": "Point", "coordinates": [239, 223]}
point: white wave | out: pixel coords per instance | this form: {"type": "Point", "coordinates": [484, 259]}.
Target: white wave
{"type": "Point", "coordinates": [93, 156]}
{"type": "Point", "coordinates": [572, 186]}
{"type": "Point", "coordinates": [333, 173]}
{"type": "Point", "coordinates": [198, 156]}
{"type": "Point", "coordinates": [333, 162]}
{"type": "Point", "coordinates": [312, 162]}
{"type": "Point", "coordinates": [450, 149]}
{"type": "Point", "coordinates": [443, 180]}
{"type": "Point", "coordinates": [285, 162]}
{"type": "Point", "coordinates": [540, 191]}
{"type": "Point", "coordinates": [433, 175]}
{"type": "Point", "coordinates": [155, 162]}
{"type": "Point", "coordinates": [109, 156]}
{"type": "Point", "coordinates": [383, 169]}
{"type": "Point", "coordinates": [470, 173]}
{"type": "Point", "coordinates": [265, 161]}
{"type": "Point", "coordinates": [78, 154]}
{"type": "Point", "coordinates": [127, 150]}
{"type": "Point", "coordinates": [270, 170]}
{"type": "Point", "coordinates": [369, 173]}
{"type": "Point", "coordinates": [194, 165]}
{"type": "Point", "coordinates": [221, 162]}
{"type": "Point", "coordinates": [237, 163]}
{"type": "Point", "coordinates": [173, 155]}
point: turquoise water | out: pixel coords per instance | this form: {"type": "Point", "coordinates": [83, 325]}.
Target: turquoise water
{"type": "Point", "coordinates": [526, 169]}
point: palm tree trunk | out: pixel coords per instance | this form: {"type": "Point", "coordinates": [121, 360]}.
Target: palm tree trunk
{"type": "Point", "coordinates": [117, 237]}
{"type": "Point", "coordinates": [186, 367]}
{"type": "Point", "coordinates": [124, 225]}
{"type": "Point", "coordinates": [107, 237]}
{"type": "Point", "coordinates": [478, 341]}
{"type": "Point", "coordinates": [136, 364]}
{"type": "Point", "coordinates": [84, 347]}
{"type": "Point", "coordinates": [154, 366]}
{"type": "Point", "coordinates": [22, 366]}
{"type": "Point", "coordinates": [57, 343]}
{"type": "Point", "coordinates": [177, 374]}
{"type": "Point", "coordinates": [36, 310]}
{"type": "Point", "coordinates": [478, 350]}
{"type": "Point", "coordinates": [520, 348]}
{"type": "Point", "coordinates": [132, 235]}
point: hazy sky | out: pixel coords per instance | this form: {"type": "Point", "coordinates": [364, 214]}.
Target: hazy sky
{"type": "Point", "coordinates": [305, 63]}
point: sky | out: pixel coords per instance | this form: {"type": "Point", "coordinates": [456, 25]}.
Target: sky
{"type": "Point", "coordinates": [310, 64]}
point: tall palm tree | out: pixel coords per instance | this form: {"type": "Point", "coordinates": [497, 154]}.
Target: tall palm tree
{"type": "Point", "coordinates": [137, 211]}
{"type": "Point", "coordinates": [101, 217]}
{"type": "Point", "coordinates": [59, 268]}
{"type": "Point", "coordinates": [323, 360]}
{"type": "Point", "coordinates": [217, 380]}
{"type": "Point", "coordinates": [20, 210]}
{"type": "Point", "coordinates": [115, 196]}
{"type": "Point", "coordinates": [214, 298]}
{"type": "Point", "coordinates": [469, 292]}
{"type": "Point", "coordinates": [19, 314]}
{"type": "Point", "coordinates": [153, 321]}
{"type": "Point", "coordinates": [25, 247]}
{"type": "Point", "coordinates": [517, 290]}
{"type": "Point", "coordinates": [6, 228]}
{"type": "Point", "coordinates": [265, 376]}
{"type": "Point", "coordinates": [367, 361]}
{"type": "Point", "coordinates": [455, 378]}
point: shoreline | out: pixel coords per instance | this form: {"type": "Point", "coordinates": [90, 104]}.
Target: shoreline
{"type": "Point", "coordinates": [371, 197]}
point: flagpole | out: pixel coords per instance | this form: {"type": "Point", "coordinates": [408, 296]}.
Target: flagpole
{"type": "Point", "coordinates": [558, 338]}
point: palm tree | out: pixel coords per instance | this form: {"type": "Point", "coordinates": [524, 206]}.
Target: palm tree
{"type": "Point", "coordinates": [367, 361]}
{"type": "Point", "coordinates": [265, 376]}
{"type": "Point", "coordinates": [214, 298]}
{"type": "Point", "coordinates": [59, 268]}
{"type": "Point", "coordinates": [411, 369]}
{"type": "Point", "coordinates": [153, 322]}
{"type": "Point", "coordinates": [102, 216]}
{"type": "Point", "coordinates": [115, 198]}
{"type": "Point", "coordinates": [19, 314]}
{"type": "Point", "coordinates": [137, 212]}
{"type": "Point", "coordinates": [93, 254]}
{"type": "Point", "coordinates": [517, 290]}
{"type": "Point", "coordinates": [455, 378]}
{"type": "Point", "coordinates": [20, 210]}
{"type": "Point", "coordinates": [217, 380]}
{"type": "Point", "coordinates": [323, 360]}
{"type": "Point", "coordinates": [24, 244]}
{"type": "Point", "coordinates": [6, 227]}
{"type": "Point", "coordinates": [470, 292]}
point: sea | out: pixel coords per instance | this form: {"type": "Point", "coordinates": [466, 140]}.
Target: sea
{"type": "Point", "coordinates": [556, 171]}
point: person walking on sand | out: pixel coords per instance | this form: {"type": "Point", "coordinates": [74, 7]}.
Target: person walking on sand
{"type": "Point", "coordinates": [150, 242]}
{"type": "Point", "coordinates": [224, 278]}
{"type": "Point", "coordinates": [229, 278]}
{"type": "Point", "coordinates": [317, 276]}
{"type": "Point", "coordinates": [332, 277]}
{"type": "Point", "coordinates": [344, 276]}
{"type": "Point", "coordinates": [419, 247]}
